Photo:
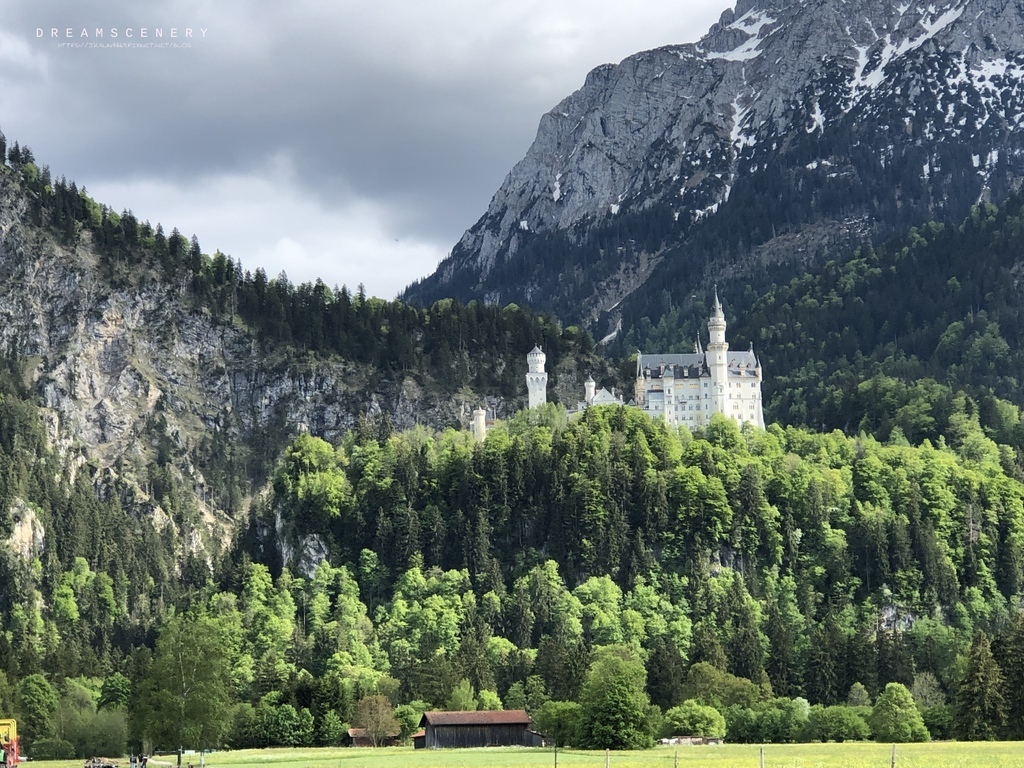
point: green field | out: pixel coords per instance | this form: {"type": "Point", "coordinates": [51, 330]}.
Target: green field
{"type": "Point", "coordinates": [944, 755]}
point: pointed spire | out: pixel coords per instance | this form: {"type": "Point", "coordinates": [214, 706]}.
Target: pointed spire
{"type": "Point", "coordinates": [716, 308]}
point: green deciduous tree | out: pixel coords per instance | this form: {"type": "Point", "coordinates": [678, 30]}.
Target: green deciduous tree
{"type": "Point", "coordinates": [37, 702]}
{"type": "Point", "coordinates": [185, 696]}
{"type": "Point", "coordinates": [330, 731]}
{"type": "Point", "coordinates": [462, 698]}
{"type": "Point", "coordinates": [489, 700]}
{"type": "Point", "coordinates": [559, 720]}
{"type": "Point", "coordinates": [719, 689]}
{"type": "Point", "coordinates": [614, 705]}
{"type": "Point", "coordinates": [115, 693]}
{"type": "Point", "coordinates": [895, 717]}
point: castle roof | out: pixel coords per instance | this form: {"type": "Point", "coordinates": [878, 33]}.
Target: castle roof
{"type": "Point", "coordinates": [742, 363]}
{"type": "Point", "coordinates": [693, 365]}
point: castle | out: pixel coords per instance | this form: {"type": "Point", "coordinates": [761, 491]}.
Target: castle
{"type": "Point", "coordinates": [683, 389]}
{"type": "Point", "coordinates": [688, 389]}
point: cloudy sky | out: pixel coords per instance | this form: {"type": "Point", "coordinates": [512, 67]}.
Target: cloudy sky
{"type": "Point", "coordinates": [352, 142]}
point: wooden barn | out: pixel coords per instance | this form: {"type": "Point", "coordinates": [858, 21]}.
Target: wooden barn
{"type": "Point", "coordinates": [502, 728]}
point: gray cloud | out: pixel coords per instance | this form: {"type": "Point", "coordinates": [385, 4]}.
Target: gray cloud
{"type": "Point", "coordinates": [341, 140]}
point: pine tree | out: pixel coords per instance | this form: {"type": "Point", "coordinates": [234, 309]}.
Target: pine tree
{"type": "Point", "coordinates": [980, 710]}
{"type": "Point", "coordinates": [1011, 659]}
{"type": "Point", "coordinates": [820, 669]}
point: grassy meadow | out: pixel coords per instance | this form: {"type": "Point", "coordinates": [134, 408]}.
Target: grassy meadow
{"type": "Point", "coordinates": [860, 755]}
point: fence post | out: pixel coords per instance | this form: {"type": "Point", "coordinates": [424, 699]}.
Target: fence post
{"type": "Point", "coordinates": [607, 757]}
{"type": "Point", "coordinates": [762, 757]}
{"type": "Point", "coordinates": [893, 756]}
{"type": "Point", "coordinates": [556, 753]}
{"type": "Point", "coordinates": [675, 763]}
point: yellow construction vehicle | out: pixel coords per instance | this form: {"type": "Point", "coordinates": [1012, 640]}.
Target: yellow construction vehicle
{"type": "Point", "coordinates": [8, 743]}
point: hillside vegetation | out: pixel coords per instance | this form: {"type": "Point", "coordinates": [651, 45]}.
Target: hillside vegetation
{"type": "Point", "coordinates": [748, 581]}
{"type": "Point", "coordinates": [738, 570]}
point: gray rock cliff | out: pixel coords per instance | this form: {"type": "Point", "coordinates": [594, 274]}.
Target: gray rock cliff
{"type": "Point", "coordinates": [115, 359]}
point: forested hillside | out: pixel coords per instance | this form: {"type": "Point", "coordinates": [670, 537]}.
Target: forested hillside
{"type": "Point", "coordinates": [178, 377]}
{"type": "Point", "coordinates": [769, 575]}
{"type": "Point", "coordinates": [893, 336]}
{"type": "Point", "coordinates": [732, 569]}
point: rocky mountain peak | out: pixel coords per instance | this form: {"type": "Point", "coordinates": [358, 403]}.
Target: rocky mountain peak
{"type": "Point", "coordinates": [682, 126]}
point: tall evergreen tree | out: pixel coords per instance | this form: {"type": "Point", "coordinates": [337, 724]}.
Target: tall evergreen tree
{"type": "Point", "coordinates": [1011, 663]}
{"type": "Point", "coordinates": [980, 709]}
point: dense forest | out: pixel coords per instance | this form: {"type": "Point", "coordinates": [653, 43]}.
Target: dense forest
{"type": "Point", "coordinates": [766, 576]}
{"type": "Point", "coordinates": [801, 582]}
{"type": "Point", "coordinates": [880, 338]}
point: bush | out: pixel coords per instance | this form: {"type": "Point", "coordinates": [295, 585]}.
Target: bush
{"type": "Point", "coordinates": [693, 719]}
{"type": "Point", "coordinates": [836, 723]}
{"type": "Point", "coordinates": [939, 721]}
{"type": "Point", "coordinates": [782, 720]}
{"type": "Point", "coordinates": [53, 749]}
{"type": "Point", "coordinates": [742, 726]}
{"type": "Point", "coordinates": [895, 717]}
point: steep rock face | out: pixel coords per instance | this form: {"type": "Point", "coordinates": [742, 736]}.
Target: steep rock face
{"type": "Point", "coordinates": [887, 111]}
{"type": "Point", "coordinates": [120, 362]}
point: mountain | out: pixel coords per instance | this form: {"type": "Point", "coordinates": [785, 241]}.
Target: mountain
{"type": "Point", "coordinates": [161, 367]}
{"type": "Point", "coordinates": [791, 131]}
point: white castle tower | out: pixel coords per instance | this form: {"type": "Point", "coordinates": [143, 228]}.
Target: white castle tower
{"type": "Point", "coordinates": [479, 425]}
{"type": "Point", "coordinates": [536, 378]}
{"type": "Point", "coordinates": [717, 358]}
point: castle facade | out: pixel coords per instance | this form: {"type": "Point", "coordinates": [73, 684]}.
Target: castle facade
{"type": "Point", "coordinates": [684, 389]}
{"type": "Point", "coordinates": [688, 389]}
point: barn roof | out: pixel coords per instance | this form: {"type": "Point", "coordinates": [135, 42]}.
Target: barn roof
{"type": "Point", "coordinates": [489, 717]}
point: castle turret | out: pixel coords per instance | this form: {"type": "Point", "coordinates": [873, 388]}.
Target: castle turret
{"type": "Point", "coordinates": [590, 389]}
{"type": "Point", "coordinates": [479, 424]}
{"type": "Point", "coordinates": [717, 357]}
{"type": "Point", "coordinates": [536, 378]}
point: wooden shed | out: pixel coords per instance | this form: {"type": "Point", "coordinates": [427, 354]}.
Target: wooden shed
{"type": "Point", "coordinates": [501, 728]}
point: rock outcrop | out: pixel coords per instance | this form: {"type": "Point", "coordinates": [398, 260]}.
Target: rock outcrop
{"type": "Point", "coordinates": [117, 360]}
